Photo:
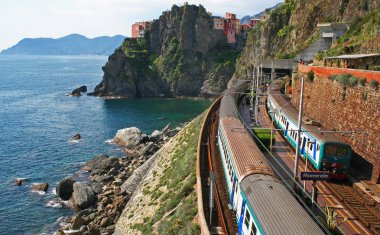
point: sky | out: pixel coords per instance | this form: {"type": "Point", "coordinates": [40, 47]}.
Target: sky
{"type": "Point", "coordinates": [92, 18]}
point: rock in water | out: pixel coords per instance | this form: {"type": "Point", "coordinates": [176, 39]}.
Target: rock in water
{"type": "Point", "coordinates": [83, 88]}
{"type": "Point", "coordinates": [65, 189]}
{"type": "Point", "coordinates": [40, 186]}
{"type": "Point", "coordinates": [75, 92]}
{"type": "Point", "coordinates": [83, 195]}
{"type": "Point", "coordinates": [19, 181]}
{"type": "Point", "coordinates": [76, 136]}
{"type": "Point", "coordinates": [128, 136]}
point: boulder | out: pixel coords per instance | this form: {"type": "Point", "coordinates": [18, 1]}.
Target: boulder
{"type": "Point", "coordinates": [90, 164]}
{"type": "Point", "coordinates": [96, 187]}
{"type": "Point", "coordinates": [166, 128]}
{"type": "Point", "coordinates": [40, 186]}
{"type": "Point", "coordinates": [83, 195]}
{"type": "Point", "coordinates": [103, 166]}
{"type": "Point", "coordinates": [75, 92]}
{"type": "Point", "coordinates": [172, 133]}
{"type": "Point", "coordinates": [78, 222]}
{"type": "Point", "coordinates": [65, 189]}
{"type": "Point", "coordinates": [155, 136]}
{"type": "Point", "coordinates": [19, 181]}
{"type": "Point", "coordinates": [76, 137]}
{"type": "Point", "coordinates": [147, 149]}
{"type": "Point", "coordinates": [128, 137]}
{"type": "Point", "coordinates": [83, 88]}
{"type": "Point", "coordinates": [94, 231]}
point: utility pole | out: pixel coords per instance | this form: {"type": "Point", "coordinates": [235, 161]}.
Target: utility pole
{"type": "Point", "coordinates": [253, 84]}
{"type": "Point", "coordinates": [298, 133]}
{"type": "Point", "coordinates": [257, 95]}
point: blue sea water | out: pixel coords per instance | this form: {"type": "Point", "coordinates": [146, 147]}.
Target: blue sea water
{"type": "Point", "coordinates": [38, 119]}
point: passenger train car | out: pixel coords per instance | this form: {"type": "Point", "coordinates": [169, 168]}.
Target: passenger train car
{"type": "Point", "coordinates": [262, 203]}
{"type": "Point", "coordinates": [322, 149]}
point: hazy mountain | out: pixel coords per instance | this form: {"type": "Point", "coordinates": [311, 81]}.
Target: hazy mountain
{"type": "Point", "coordinates": [73, 44]}
{"type": "Point", "coordinates": [247, 18]}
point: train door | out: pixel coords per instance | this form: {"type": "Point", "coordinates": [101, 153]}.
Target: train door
{"type": "Point", "coordinates": [303, 145]}
{"type": "Point", "coordinates": [241, 219]}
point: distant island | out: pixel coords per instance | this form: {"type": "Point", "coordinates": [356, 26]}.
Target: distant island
{"type": "Point", "coordinates": [73, 44]}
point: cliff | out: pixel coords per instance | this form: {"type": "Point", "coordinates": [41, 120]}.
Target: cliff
{"type": "Point", "coordinates": [292, 27]}
{"type": "Point", "coordinates": [181, 55]}
{"type": "Point", "coordinates": [73, 44]}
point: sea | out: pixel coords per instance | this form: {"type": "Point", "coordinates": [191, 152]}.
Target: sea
{"type": "Point", "coordinates": [38, 120]}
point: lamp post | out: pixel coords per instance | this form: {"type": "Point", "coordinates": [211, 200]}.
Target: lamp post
{"type": "Point", "coordinates": [271, 132]}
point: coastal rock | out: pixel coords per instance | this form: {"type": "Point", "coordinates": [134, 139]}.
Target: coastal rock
{"type": "Point", "coordinates": [75, 92]}
{"type": "Point", "coordinates": [103, 166]}
{"type": "Point", "coordinates": [93, 231]}
{"type": "Point", "coordinates": [83, 88]}
{"type": "Point", "coordinates": [40, 187]}
{"type": "Point", "coordinates": [76, 136]}
{"type": "Point", "coordinates": [173, 132]}
{"type": "Point", "coordinates": [19, 181]}
{"type": "Point", "coordinates": [128, 136]}
{"type": "Point", "coordinates": [65, 189]}
{"type": "Point", "coordinates": [90, 164]}
{"type": "Point", "coordinates": [83, 195]}
{"type": "Point", "coordinates": [96, 187]}
{"type": "Point", "coordinates": [78, 222]}
{"type": "Point", "coordinates": [156, 136]}
{"type": "Point", "coordinates": [147, 149]}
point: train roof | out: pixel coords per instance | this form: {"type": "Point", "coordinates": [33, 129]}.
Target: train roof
{"type": "Point", "coordinates": [247, 157]}
{"type": "Point", "coordinates": [289, 110]}
{"type": "Point", "coordinates": [230, 98]}
{"type": "Point", "coordinates": [275, 208]}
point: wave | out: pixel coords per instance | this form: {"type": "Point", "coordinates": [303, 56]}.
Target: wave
{"type": "Point", "coordinates": [74, 141]}
{"type": "Point", "coordinates": [110, 141]}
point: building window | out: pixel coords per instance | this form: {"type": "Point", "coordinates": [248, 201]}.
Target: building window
{"type": "Point", "coordinates": [247, 218]}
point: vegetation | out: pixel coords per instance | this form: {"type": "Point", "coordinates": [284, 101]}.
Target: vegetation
{"type": "Point", "coordinates": [360, 34]}
{"type": "Point", "coordinates": [138, 54]}
{"type": "Point", "coordinates": [178, 204]}
{"type": "Point", "coordinates": [310, 76]}
{"type": "Point", "coordinates": [374, 84]}
{"type": "Point", "coordinates": [263, 136]}
{"type": "Point", "coordinates": [332, 223]}
{"type": "Point", "coordinates": [346, 79]}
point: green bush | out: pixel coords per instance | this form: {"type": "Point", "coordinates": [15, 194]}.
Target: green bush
{"type": "Point", "coordinates": [374, 84]}
{"type": "Point", "coordinates": [353, 81]}
{"type": "Point", "coordinates": [343, 79]}
{"type": "Point", "coordinates": [264, 136]}
{"type": "Point", "coordinates": [310, 76]}
{"type": "Point", "coordinates": [362, 81]}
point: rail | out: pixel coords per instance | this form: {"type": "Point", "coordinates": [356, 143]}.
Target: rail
{"type": "Point", "coordinates": [201, 147]}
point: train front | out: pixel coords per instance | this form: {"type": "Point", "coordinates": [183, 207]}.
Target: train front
{"type": "Point", "coordinates": [336, 159]}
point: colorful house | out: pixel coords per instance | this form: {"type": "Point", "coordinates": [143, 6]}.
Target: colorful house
{"type": "Point", "coordinates": [138, 29]}
{"type": "Point", "coordinates": [218, 23]}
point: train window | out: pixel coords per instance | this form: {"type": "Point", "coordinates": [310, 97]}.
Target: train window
{"type": "Point", "coordinates": [253, 229]}
{"type": "Point", "coordinates": [311, 146]}
{"type": "Point", "coordinates": [317, 147]}
{"type": "Point", "coordinates": [247, 218]}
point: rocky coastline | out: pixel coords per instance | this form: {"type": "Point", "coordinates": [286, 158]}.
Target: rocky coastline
{"type": "Point", "coordinates": [100, 201]}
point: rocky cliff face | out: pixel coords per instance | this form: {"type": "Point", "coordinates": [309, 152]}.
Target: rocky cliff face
{"type": "Point", "coordinates": [181, 55]}
{"type": "Point", "coordinates": [292, 27]}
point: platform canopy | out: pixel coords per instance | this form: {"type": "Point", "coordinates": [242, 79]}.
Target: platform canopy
{"type": "Point", "coordinates": [352, 57]}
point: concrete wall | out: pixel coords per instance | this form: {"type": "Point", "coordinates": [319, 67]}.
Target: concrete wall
{"type": "Point", "coordinates": [320, 45]}
{"type": "Point", "coordinates": [340, 109]}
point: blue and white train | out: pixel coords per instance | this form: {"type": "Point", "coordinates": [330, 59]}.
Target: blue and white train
{"type": "Point", "coordinates": [263, 205]}
{"type": "Point", "coordinates": [322, 149]}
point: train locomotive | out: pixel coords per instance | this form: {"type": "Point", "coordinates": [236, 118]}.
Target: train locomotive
{"type": "Point", "coordinates": [322, 149]}
{"type": "Point", "coordinates": [262, 203]}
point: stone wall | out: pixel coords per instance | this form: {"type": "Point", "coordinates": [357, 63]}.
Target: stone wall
{"type": "Point", "coordinates": [349, 109]}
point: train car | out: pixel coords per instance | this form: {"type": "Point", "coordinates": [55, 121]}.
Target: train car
{"type": "Point", "coordinates": [263, 205]}
{"type": "Point", "coordinates": [323, 149]}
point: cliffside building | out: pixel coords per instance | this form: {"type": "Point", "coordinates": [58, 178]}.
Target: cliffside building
{"type": "Point", "coordinates": [138, 29]}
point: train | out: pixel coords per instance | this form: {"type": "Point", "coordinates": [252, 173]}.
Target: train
{"type": "Point", "coordinates": [262, 203]}
{"type": "Point", "coordinates": [323, 150]}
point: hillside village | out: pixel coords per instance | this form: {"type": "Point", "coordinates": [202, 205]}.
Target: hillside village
{"type": "Point", "coordinates": [230, 25]}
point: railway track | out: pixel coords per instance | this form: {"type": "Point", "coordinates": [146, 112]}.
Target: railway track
{"type": "Point", "coordinates": [359, 205]}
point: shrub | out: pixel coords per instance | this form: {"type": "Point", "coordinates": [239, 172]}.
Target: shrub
{"type": "Point", "coordinates": [353, 81]}
{"type": "Point", "coordinates": [264, 137]}
{"type": "Point", "coordinates": [343, 79]}
{"type": "Point", "coordinates": [310, 76]}
{"type": "Point", "coordinates": [332, 77]}
{"type": "Point", "coordinates": [362, 81]}
{"type": "Point", "coordinates": [374, 84]}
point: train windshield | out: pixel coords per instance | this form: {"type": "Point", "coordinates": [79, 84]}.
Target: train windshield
{"type": "Point", "coordinates": [336, 150]}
